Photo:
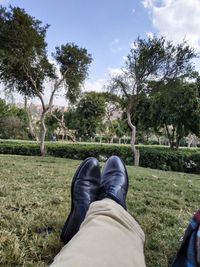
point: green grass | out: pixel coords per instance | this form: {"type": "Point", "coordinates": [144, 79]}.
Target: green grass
{"type": "Point", "coordinates": [35, 199]}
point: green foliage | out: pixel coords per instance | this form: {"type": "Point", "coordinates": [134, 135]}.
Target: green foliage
{"type": "Point", "coordinates": [87, 116]}
{"type": "Point", "coordinates": [13, 121]}
{"type": "Point", "coordinates": [70, 118]}
{"type": "Point", "coordinates": [73, 62]}
{"type": "Point", "coordinates": [185, 160]}
{"type": "Point", "coordinates": [24, 64]}
{"type": "Point", "coordinates": [118, 128]}
{"type": "Point", "coordinates": [176, 106]}
{"type": "Point", "coordinates": [23, 55]}
{"type": "Point", "coordinates": [151, 62]}
{"type": "Point", "coordinates": [52, 123]}
{"type": "Point", "coordinates": [11, 127]}
{"type": "Point", "coordinates": [172, 109]}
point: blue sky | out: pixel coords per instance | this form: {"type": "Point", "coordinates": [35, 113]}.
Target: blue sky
{"type": "Point", "coordinates": [108, 27]}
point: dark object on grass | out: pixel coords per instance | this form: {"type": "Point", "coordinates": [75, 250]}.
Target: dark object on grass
{"type": "Point", "coordinates": [189, 252]}
{"type": "Point", "coordinates": [13, 208]}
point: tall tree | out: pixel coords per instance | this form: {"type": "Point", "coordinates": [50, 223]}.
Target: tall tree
{"type": "Point", "coordinates": [141, 65]}
{"type": "Point", "coordinates": [25, 67]}
{"type": "Point", "coordinates": [150, 60]}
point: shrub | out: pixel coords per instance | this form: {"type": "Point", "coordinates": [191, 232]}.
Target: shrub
{"type": "Point", "coordinates": [156, 157]}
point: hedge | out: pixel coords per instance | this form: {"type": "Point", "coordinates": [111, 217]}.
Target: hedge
{"type": "Point", "coordinates": [183, 160]}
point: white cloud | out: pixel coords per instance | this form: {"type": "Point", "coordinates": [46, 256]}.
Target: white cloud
{"type": "Point", "coordinates": [100, 85]}
{"type": "Point", "coordinates": [176, 19]}
{"type": "Point", "coordinates": [17, 98]}
{"type": "Point", "coordinates": [59, 99]}
{"type": "Point", "coordinates": [114, 72]}
{"type": "Point", "coordinates": [96, 85]}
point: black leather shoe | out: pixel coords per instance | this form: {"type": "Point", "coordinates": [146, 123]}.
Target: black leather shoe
{"type": "Point", "coordinates": [114, 181]}
{"type": "Point", "coordinates": [84, 190]}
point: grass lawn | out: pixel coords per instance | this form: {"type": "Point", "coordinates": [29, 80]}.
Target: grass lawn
{"type": "Point", "coordinates": [35, 198]}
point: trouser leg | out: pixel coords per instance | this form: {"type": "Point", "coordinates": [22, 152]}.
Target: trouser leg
{"type": "Point", "coordinates": [108, 237]}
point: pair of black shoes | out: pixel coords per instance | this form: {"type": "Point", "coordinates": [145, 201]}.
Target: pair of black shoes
{"type": "Point", "coordinates": [88, 185]}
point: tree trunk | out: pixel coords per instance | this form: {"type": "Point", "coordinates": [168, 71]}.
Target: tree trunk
{"type": "Point", "coordinates": [189, 143]}
{"type": "Point", "coordinates": [158, 139]}
{"type": "Point", "coordinates": [178, 142]}
{"type": "Point", "coordinates": [173, 137]}
{"type": "Point", "coordinates": [135, 151]}
{"type": "Point", "coordinates": [31, 128]}
{"type": "Point", "coordinates": [170, 138]}
{"type": "Point", "coordinates": [43, 133]}
{"type": "Point", "coordinates": [64, 128]}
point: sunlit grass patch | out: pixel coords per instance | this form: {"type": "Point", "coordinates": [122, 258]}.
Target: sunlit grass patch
{"type": "Point", "coordinates": [35, 198]}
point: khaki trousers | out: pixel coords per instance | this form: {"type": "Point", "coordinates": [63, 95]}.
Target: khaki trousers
{"type": "Point", "coordinates": [108, 237]}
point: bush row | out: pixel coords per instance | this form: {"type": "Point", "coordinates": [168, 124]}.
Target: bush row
{"type": "Point", "coordinates": [183, 160]}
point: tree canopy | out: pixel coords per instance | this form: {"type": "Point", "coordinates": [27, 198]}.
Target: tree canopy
{"type": "Point", "coordinates": [89, 114]}
{"type": "Point", "coordinates": [25, 66]}
{"type": "Point", "coordinates": [152, 65]}
{"type": "Point", "coordinates": [176, 109]}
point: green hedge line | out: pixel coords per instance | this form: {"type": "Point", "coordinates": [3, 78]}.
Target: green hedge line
{"type": "Point", "coordinates": [182, 160]}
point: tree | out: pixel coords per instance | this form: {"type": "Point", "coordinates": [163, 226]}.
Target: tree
{"type": "Point", "coordinates": [52, 123]}
{"type": "Point", "coordinates": [89, 114]}
{"type": "Point", "coordinates": [118, 128]}
{"type": "Point", "coordinates": [150, 60]}
{"type": "Point", "coordinates": [141, 118]}
{"type": "Point", "coordinates": [32, 129]}
{"type": "Point", "coordinates": [176, 109]}
{"type": "Point", "coordinates": [11, 128]}
{"type": "Point", "coordinates": [56, 120]}
{"type": "Point", "coordinates": [13, 121]}
{"type": "Point", "coordinates": [25, 67]}
{"type": "Point", "coordinates": [142, 63]}
{"type": "Point", "coordinates": [111, 124]}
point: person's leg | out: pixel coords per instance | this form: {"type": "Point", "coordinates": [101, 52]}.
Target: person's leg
{"type": "Point", "coordinates": [108, 237]}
